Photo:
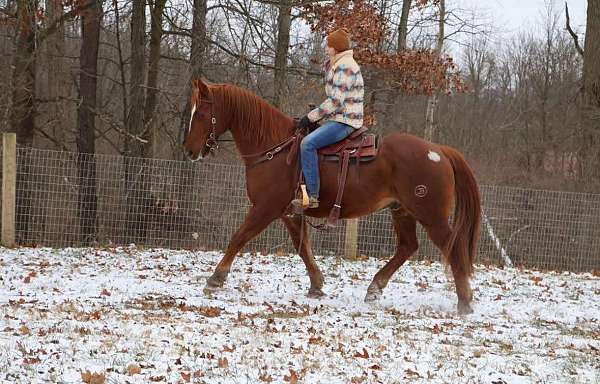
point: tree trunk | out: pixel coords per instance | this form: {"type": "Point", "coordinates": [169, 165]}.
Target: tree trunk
{"type": "Point", "coordinates": [197, 57]}
{"type": "Point", "coordinates": [403, 26]}
{"type": "Point", "coordinates": [198, 39]}
{"type": "Point", "coordinates": [57, 77]}
{"type": "Point", "coordinates": [432, 101]}
{"type": "Point", "coordinates": [284, 23]}
{"type": "Point", "coordinates": [23, 107]}
{"type": "Point", "coordinates": [591, 62]}
{"type": "Point", "coordinates": [152, 82]}
{"type": "Point", "coordinates": [135, 117]}
{"type": "Point", "coordinates": [86, 163]}
{"type": "Point", "coordinates": [591, 89]}
{"type": "Point", "coordinates": [136, 178]}
{"type": "Point", "coordinates": [22, 112]}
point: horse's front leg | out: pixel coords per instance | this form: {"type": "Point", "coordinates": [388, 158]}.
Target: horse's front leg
{"type": "Point", "coordinates": [255, 222]}
{"type": "Point", "coordinates": [299, 234]}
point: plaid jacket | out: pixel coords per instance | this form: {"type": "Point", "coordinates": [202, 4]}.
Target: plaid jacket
{"type": "Point", "coordinates": [344, 87]}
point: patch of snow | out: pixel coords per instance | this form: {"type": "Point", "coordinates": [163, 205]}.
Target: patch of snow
{"type": "Point", "coordinates": [67, 311]}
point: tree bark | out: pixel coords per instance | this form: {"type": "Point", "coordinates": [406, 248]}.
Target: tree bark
{"type": "Point", "coordinates": [136, 178]}
{"type": "Point", "coordinates": [57, 78]}
{"type": "Point", "coordinates": [135, 117]}
{"type": "Point", "coordinates": [284, 23]}
{"type": "Point", "coordinates": [86, 163]}
{"type": "Point", "coordinates": [198, 52]}
{"type": "Point", "coordinates": [591, 89]}
{"type": "Point", "coordinates": [152, 82]}
{"type": "Point", "coordinates": [591, 62]}
{"type": "Point", "coordinates": [432, 101]}
{"type": "Point", "coordinates": [403, 26]}
{"type": "Point", "coordinates": [22, 112]}
{"type": "Point", "coordinates": [23, 95]}
{"type": "Point", "coordinates": [197, 58]}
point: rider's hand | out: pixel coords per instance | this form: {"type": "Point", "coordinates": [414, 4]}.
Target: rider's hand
{"type": "Point", "coordinates": [304, 123]}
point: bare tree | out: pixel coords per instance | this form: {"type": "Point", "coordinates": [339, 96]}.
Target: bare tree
{"type": "Point", "coordinates": [432, 101]}
{"type": "Point", "coordinates": [135, 116]}
{"type": "Point", "coordinates": [403, 25]}
{"type": "Point", "coordinates": [284, 22]}
{"type": "Point", "coordinates": [156, 33]}
{"type": "Point", "coordinates": [90, 32]}
{"type": "Point", "coordinates": [23, 95]}
{"type": "Point", "coordinates": [57, 76]}
{"type": "Point", "coordinates": [591, 84]}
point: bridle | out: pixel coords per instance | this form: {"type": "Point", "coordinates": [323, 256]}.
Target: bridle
{"type": "Point", "coordinates": [212, 142]}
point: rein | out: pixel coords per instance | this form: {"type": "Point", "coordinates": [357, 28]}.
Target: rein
{"type": "Point", "coordinates": [293, 141]}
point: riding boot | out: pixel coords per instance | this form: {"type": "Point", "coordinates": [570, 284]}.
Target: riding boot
{"type": "Point", "coordinates": [313, 202]}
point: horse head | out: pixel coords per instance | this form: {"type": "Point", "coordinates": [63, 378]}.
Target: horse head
{"type": "Point", "coordinates": [201, 135]}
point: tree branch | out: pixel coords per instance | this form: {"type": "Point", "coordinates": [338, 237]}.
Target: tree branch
{"type": "Point", "coordinates": [573, 34]}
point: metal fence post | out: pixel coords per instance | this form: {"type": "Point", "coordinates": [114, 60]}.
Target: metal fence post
{"type": "Point", "coordinates": [351, 241]}
{"type": "Point", "coordinates": [9, 179]}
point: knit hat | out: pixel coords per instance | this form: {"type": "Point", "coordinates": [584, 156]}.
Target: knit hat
{"type": "Point", "coordinates": [339, 39]}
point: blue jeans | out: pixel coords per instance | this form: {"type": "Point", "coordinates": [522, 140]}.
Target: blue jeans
{"type": "Point", "coordinates": [329, 133]}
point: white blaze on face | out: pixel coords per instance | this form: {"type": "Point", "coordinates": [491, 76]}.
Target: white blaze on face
{"type": "Point", "coordinates": [434, 156]}
{"type": "Point", "coordinates": [192, 118]}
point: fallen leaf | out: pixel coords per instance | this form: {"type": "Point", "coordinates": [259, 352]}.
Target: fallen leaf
{"type": "Point", "coordinates": [364, 355]}
{"type": "Point", "coordinates": [187, 377]}
{"type": "Point", "coordinates": [265, 378]}
{"type": "Point", "coordinates": [134, 369]}
{"type": "Point", "coordinates": [292, 378]}
{"type": "Point", "coordinates": [105, 292]}
{"type": "Point", "coordinates": [31, 360]}
{"type": "Point", "coordinates": [93, 378]}
{"type": "Point", "coordinates": [223, 363]}
{"type": "Point", "coordinates": [24, 330]}
{"type": "Point", "coordinates": [210, 311]}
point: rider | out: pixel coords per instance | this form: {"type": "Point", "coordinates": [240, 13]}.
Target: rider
{"type": "Point", "coordinates": [342, 111]}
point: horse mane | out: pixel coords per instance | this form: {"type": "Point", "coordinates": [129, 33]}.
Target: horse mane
{"type": "Point", "coordinates": [254, 117]}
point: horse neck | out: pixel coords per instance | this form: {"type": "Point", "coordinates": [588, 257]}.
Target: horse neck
{"type": "Point", "coordinates": [255, 124]}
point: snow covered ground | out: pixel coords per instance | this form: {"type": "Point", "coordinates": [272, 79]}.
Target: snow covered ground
{"type": "Point", "coordinates": [137, 316]}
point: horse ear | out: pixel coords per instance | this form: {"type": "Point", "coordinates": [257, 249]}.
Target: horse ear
{"type": "Point", "coordinates": [202, 87]}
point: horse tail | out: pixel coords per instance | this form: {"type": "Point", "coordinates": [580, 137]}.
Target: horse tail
{"type": "Point", "coordinates": [462, 246]}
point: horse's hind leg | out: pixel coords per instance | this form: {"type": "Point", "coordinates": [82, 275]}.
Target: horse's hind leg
{"type": "Point", "coordinates": [298, 232]}
{"type": "Point", "coordinates": [440, 235]}
{"type": "Point", "coordinates": [255, 222]}
{"type": "Point", "coordinates": [407, 244]}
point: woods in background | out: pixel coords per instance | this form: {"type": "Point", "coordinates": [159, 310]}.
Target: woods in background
{"type": "Point", "coordinates": [113, 77]}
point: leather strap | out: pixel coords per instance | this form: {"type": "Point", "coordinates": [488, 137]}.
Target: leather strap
{"type": "Point", "coordinates": [334, 215]}
{"type": "Point", "coordinates": [271, 152]}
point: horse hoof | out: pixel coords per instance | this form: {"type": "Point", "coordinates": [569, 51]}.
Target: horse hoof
{"type": "Point", "coordinates": [372, 296]}
{"type": "Point", "coordinates": [315, 293]}
{"type": "Point", "coordinates": [464, 309]}
{"type": "Point", "coordinates": [209, 290]}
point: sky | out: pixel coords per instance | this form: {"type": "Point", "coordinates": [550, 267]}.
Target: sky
{"type": "Point", "coordinates": [512, 16]}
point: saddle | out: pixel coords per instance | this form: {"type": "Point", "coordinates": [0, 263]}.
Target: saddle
{"type": "Point", "coordinates": [359, 147]}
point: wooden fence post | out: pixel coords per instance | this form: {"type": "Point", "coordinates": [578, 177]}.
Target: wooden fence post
{"type": "Point", "coordinates": [351, 241]}
{"type": "Point", "coordinates": [9, 180]}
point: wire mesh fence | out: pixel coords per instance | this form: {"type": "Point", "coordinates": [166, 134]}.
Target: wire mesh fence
{"type": "Point", "coordinates": [175, 204]}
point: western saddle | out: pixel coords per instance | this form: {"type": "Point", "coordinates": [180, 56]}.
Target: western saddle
{"type": "Point", "coordinates": [359, 147]}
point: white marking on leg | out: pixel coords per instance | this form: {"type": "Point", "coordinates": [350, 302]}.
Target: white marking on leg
{"type": "Point", "coordinates": [434, 156]}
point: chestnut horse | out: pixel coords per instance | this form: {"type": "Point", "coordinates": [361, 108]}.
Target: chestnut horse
{"type": "Point", "coordinates": [419, 180]}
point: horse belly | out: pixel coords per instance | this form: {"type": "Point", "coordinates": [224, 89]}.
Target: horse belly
{"type": "Point", "coordinates": [368, 189]}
